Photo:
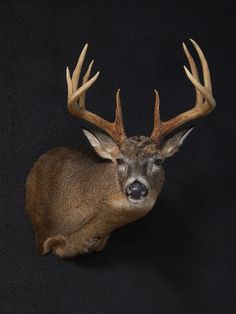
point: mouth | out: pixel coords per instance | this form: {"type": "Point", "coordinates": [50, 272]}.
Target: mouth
{"type": "Point", "coordinates": [136, 201]}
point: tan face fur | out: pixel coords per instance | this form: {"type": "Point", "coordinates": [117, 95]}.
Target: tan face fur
{"type": "Point", "coordinates": [139, 160]}
{"type": "Point", "coordinates": [138, 166]}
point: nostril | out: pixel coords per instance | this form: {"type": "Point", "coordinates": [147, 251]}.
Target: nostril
{"type": "Point", "coordinates": [129, 189]}
{"type": "Point", "coordinates": [144, 191]}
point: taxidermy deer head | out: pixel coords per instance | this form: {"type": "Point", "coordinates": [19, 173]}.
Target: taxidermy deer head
{"type": "Point", "coordinates": [76, 198]}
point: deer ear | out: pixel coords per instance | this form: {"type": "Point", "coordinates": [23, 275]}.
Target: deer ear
{"type": "Point", "coordinates": [103, 144]}
{"type": "Point", "coordinates": [171, 145]}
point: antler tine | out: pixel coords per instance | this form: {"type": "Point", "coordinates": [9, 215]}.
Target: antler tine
{"type": "Point", "coordinates": [85, 80]}
{"type": "Point", "coordinates": [204, 91]}
{"type": "Point", "coordinates": [119, 125]}
{"type": "Point", "coordinates": [157, 118]}
{"type": "Point", "coordinates": [77, 70]}
{"type": "Point", "coordinates": [205, 101]}
{"type": "Point", "coordinates": [77, 94]}
{"type": "Point", "coordinates": [206, 72]}
{"type": "Point", "coordinates": [194, 71]}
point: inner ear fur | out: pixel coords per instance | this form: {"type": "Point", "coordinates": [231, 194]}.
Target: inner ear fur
{"type": "Point", "coordinates": [172, 144]}
{"type": "Point", "coordinates": [103, 144]}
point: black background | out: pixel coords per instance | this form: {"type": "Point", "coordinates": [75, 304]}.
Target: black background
{"type": "Point", "coordinates": [181, 257]}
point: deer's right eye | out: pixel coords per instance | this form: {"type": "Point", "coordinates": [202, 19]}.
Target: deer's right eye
{"type": "Point", "coordinates": [120, 161]}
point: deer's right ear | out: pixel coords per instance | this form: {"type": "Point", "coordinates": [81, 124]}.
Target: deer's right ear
{"type": "Point", "coordinates": [103, 144]}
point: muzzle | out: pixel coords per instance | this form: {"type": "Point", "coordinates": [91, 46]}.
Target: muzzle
{"type": "Point", "coordinates": [136, 190]}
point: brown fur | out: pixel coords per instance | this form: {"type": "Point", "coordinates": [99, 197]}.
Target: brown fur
{"type": "Point", "coordinates": [75, 201]}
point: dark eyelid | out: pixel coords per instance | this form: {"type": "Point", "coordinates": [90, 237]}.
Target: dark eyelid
{"type": "Point", "coordinates": [120, 161]}
{"type": "Point", "coordinates": [154, 158]}
{"type": "Point", "coordinates": [158, 161]}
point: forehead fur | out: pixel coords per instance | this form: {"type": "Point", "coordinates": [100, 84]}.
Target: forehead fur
{"type": "Point", "coordinates": [138, 145]}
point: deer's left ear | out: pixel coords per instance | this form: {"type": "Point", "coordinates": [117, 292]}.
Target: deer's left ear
{"type": "Point", "coordinates": [103, 144]}
{"type": "Point", "coordinates": [171, 145]}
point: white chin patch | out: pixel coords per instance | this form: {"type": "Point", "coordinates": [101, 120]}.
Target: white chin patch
{"type": "Point", "coordinates": [136, 201]}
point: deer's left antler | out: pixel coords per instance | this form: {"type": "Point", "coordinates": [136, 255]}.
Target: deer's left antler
{"type": "Point", "coordinates": [205, 101]}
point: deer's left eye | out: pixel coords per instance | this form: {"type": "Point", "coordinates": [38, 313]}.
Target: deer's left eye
{"type": "Point", "coordinates": [158, 161]}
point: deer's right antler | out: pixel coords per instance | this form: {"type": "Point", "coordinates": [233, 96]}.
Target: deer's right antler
{"type": "Point", "coordinates": [76, 101]}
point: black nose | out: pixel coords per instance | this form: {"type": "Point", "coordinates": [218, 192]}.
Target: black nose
{"type": "Point", "coordinates": [136, 190]}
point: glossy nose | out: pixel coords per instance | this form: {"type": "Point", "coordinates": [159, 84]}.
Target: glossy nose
{"type": "Point", "coordinates": [136, 190]}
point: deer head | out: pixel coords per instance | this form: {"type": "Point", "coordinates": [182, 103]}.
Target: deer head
{"type": "Point", "coordinates": [139, 159]}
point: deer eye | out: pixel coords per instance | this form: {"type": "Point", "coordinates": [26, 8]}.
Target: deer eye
{"type": "Point", "coordinates": [120, 161]}
{"type": "Point", "coordinates": [158, 161]}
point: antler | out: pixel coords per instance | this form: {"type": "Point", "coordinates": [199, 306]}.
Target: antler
{"type": "Point", "coordinates": [205, 102]}
{"type": "Point", "coordinates": [76, 101]}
